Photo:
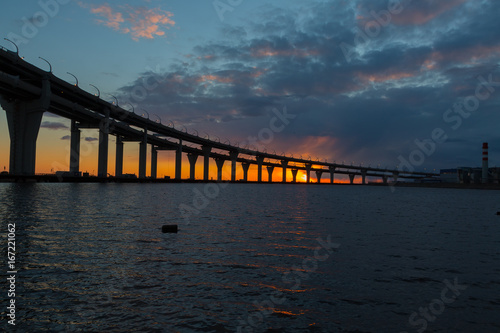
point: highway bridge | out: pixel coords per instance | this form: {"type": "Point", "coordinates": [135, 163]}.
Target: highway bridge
{"type": "Point", "coordinates": [26, 92]}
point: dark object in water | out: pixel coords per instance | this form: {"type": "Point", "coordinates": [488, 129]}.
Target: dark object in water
{"type": "Point", "coordinates": [498, 213]}
{"type": "Point", "coordinates": [172, 228]}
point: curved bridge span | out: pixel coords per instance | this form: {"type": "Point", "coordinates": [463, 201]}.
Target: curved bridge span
{"type": "Point", "coordinates": [26, 92]}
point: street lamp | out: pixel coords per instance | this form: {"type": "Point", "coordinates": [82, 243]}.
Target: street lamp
{"type": "Point", "coordinates": [17, 49]}
{"type": "Point", "coordinates": [98, 91]}
{"type": "Point", "coordinates": [50, 71]}
{"type": "Point", "coordinates": [116, 99]}
{"type": "Point", "coordinates": [76, 85]}
{"type": "Point", "coordinates": [133, 109]}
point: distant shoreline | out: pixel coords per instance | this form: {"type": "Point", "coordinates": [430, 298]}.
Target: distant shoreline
{"type": "Point", "coordinates": [59, 179]}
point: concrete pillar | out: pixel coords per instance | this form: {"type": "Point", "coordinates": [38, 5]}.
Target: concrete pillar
{"type": "Point", "coordinates": [178, 161]}
{"type": "Point", "coordinates": [395, 175]}
{"type": "Point", "coordinates": [384, 179]}
{"type": "Point", "coordinates": [245, 167]}
{"type": "Point", "coordinates": [332, 174]}
{"type": "Point", "coordinates": [192, 165]}
{"type": "Point", "coordinates": [294, 174]}
{"type": "Point", "coordinates": [102, 159]}
{"type": "Point", "coordinates": [260, 160]}
{"type": "Point", "coordinates": [270, 170]}
{"type": "Point", "coordinates": [154, 162]}
{"type": "Point", "coordinates": [319, 173]}
{"type": "Point", "coordinates": [74, 159]}
{"type": "Point", "coordinates": [351, 178]}
{"type": "Point", "coordinates": [206, 161]}
{"type": "Point", "coordinates": [220, 164]}
{"type": "Point", "coordinates": [234, 156]}
{"type": "Point", "coordinates": [485, 171]}
{"type": "Point", "coordinates": [308, 172]}
{"type": "Point", "coordinates": [284, 164]}
{"type": "Point", "coordinates": [143, 154]}
{"type": "Point", "coordinates": [363, 177]}
{"type": "Point", "coordinates": [119, 157]}
{"type": "Point", "coordinates": [24, 119]}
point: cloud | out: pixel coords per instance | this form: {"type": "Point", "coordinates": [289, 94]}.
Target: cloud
{"type": "Point", "coordinates": [113, 20]}
{"type": "Point", "coordinates": [53, 125]}
{"type": "Point", "coordinates": [372, 109]}
{"type": "Point", "coordinates": [139, 22]}
{"type": "Point", "coordinates": [404, 12]}
{"type": "Point", "coordinates": [90, 139]}
{"type": "Point", "coordinates": [66, 137]}
{"type": "Point", "coordinates": [421, 12]}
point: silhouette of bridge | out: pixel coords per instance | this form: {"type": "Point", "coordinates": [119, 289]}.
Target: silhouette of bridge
{"type": "Point", "coordinates": [26, 92]}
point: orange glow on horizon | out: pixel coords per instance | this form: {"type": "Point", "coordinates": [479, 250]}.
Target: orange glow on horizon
{"type": "Point", "coordinates": [53, 154]}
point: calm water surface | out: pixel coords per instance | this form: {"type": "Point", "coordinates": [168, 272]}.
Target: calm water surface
{"type": "Point", "coordinates": [252, 258]}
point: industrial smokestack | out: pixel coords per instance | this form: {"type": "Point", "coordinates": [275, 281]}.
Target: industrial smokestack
{"type": "Point", "coordinates": [485, 163]}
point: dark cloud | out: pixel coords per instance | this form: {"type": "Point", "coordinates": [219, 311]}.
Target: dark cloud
{"type": "Point", "coordinates": [90, 139]}
{"type": "Point", "coordinates": [66, 137]}
{"type": "Point", "coordinates": [392, 91]}
{"type": "Point", "coordinates": [53, 125]}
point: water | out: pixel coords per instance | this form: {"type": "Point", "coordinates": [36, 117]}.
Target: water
{"type": "Point", "coordinates": [253, 258]}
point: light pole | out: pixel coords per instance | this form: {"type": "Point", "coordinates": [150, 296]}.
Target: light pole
{"type": "Point", "coordinates": [98, 91]}
{"type": "Point", "coordinates": [116, 99]}
{"type": "Point", "coordinates": [17, 49]}
{"type": "Point", "coordinates": [76, 85]}
{"type": "Point", "coordinates": [50, 66]}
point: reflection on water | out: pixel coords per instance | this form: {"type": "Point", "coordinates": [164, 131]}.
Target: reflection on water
{"type": "Point", "coordinates": [91, 257]}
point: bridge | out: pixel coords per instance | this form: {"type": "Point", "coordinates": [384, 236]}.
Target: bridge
{"type": "Point", "coordinates": [26, 92]}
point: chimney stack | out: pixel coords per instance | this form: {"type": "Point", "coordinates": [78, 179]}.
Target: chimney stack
{"type": "Point", "coordinates": [485, 163]}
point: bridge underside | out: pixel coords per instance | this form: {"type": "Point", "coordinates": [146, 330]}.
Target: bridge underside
{"type": "Point", "coordinates": [26, 92]}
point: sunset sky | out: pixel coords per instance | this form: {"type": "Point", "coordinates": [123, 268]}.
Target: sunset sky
{"type": "Point", "coordinates": [368, 81]}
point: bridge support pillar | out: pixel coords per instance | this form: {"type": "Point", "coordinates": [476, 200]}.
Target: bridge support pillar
{"type": "Point", "coordinates": [74, 159]}
{"type": "Point", "coordinates": [260, 160]}
{"type": "Point", "coordinates": [119, 157]}
{"type": "Point", "coordinates": [245, 167]}
{"type": "Point", "coordinates": [384, 179]}
{"type": "Point", "coordinates": [143, 154]}
{"type": "Point", "coordinates": [395, 176]}
{"type": "Point", "coordinates": [319, 173]}
{"type": "Point", "coordinates": [270, 170]}
{"type": "Point", "coordinates": [233, 155]}
{"type": "Point", "coordinates": [308, 173]}
{"type": "Point", "coordinates": [284, 164]}
{"type": "Point", "coordinates": [24, 119]}
{"type": "Point", "coordinates": [220, 164]}
{"type": "Point", "coordinates": [332, 174]}
{"type": "Point", "coordinates": [178, 161]}
{"type": "Point", "coordinates": [351, 178]}
{"type": "Point", "coordinates": [294, 175]}
{"type": "Point", "coordinates": [192, 165]}
{"type": "Point", "coordinates": [363, 177]}
{"type": "Point", "coordinates": [154, 162]}
{"type": "Point", "coordinates": [206, 161]}
{"type": "Point", "coordinates": [102, 159]}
